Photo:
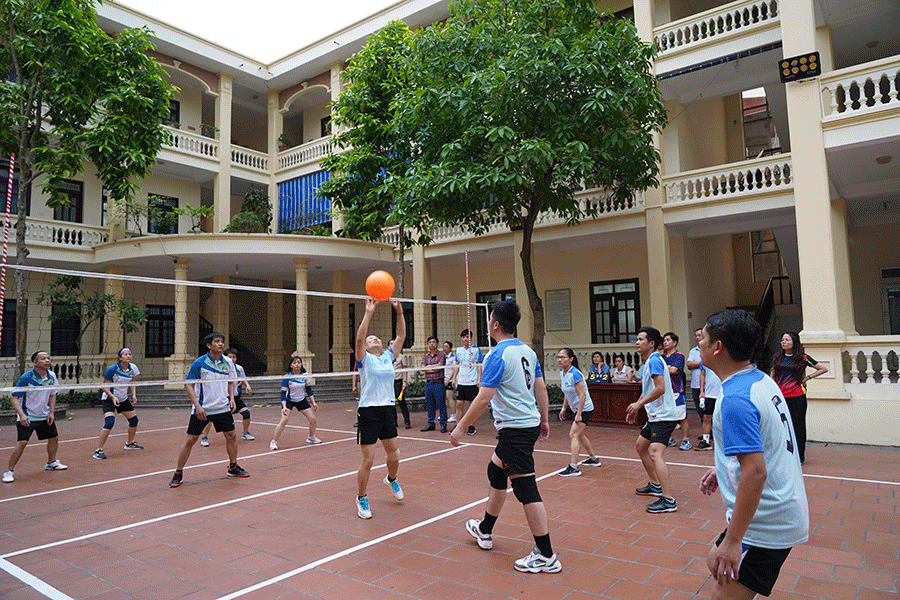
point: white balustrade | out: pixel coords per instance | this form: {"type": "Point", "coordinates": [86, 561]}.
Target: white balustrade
{"type": "Point", "coordinates": [872, 360]}
{"type": "Point", "coordinates": [308, 152]}
{"type": "Point", "coordinates": [61, 233]}
{"type": "Point", "coordinates": [734, 19]}
{"type": "Point", "coordinates": [747, 178]}
{"type": "Point", "coordinates": [92, 368]}
{"type": "Point", "coordinates": [251, 159]}
{"type": "Point", "coordinates": [584, 353]}
{"type": "Point", "coordinates": [188, 143]}
{"type": "Point", "coordinates": [860, 89]}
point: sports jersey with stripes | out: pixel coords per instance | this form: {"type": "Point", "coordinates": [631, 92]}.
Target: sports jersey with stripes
{"type": "Point", "coordinates": [116, 374]}
{"type": "Point", "coordinates": [297, 386]}
{"type": "Point", "coordinates": [511, 368]}
{"type": "Point", "coordinates": [568, 381]}
{"type": "Point", "coordinates": [212, 394]}
{"type": "Point", "coordinates": [376, 379]}
{"type": "Point", "coordinates": [663, 408]}
{"type": "Point", "coordinates": [468, 360]}
{"type": "Point", "coordinates": [36, 404]}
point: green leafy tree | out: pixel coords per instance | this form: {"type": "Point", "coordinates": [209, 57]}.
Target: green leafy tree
{"type": "Point", "coordinates": [514, 105]}
{"type": "Point", "coordinates": [72, 93]}
{"type": "Point", "coordinates": [68, 293]}
{"type": "Point", "coordinates": [255, 215]}
{"type": "Point", "coordinates": [375, 156]}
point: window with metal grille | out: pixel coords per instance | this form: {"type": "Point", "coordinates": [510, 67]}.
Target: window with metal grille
{"type": "Point", "coordinates": [615, 311]}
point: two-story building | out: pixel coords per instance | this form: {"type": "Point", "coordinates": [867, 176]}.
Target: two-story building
{"type": "Point", "coordinates": [780, 198]}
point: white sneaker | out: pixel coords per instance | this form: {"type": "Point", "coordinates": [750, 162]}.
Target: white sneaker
{"type": "Point", "coordinates": [395, 487]}
{"type": "Point", "coordinates": [452, 419]}
{"type": "Point", "coordinates": [273, 445]}
{"type": "Point", "coordinates": [362, 508]}
{"type": "Point", "coordinates": [204, 441]}
{"type": "Point", "coordinates": [8, 477]}
{"type": "Point", "coordinates": [55, 466]}
{"type": "Point", "coordinates": [537, 563]}
{"type": "Point", "coordinates": [247, 436]}
{"type": "Point", "coordinates": [485, 540]}
{"type": "Point", "coordinates": [313, 440]}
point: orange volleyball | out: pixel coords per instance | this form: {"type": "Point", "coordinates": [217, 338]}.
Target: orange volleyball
{"type": "Point", "coordinates": [380, 285]}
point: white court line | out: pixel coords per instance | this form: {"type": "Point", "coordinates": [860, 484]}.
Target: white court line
{"type": "Point", "coordinates": [205, 508]}
{"type": "Point", "coordinates": [30, 580]}
{"type": "Point", "coordinates": [208, 464]}
{"type": "Point", "coordinates": [364, 545]}
{"type": "Point", "coordinates": [94, 437]}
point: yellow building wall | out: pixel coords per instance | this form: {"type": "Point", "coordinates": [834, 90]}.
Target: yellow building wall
{"type": "Point", "coordinates": [710, 148]}
{"type": "Point", "coordinates": [872, 248]}
{"type": "Point", "coordinates": [711, 278]}
{"type": "Point", "coordinates": [312, 122]}
{"type": "Point", "coordinates": [747, 291]}
{"type": "Point", "coordinates": [190, 109]}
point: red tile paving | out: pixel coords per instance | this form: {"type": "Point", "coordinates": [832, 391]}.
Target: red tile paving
{"type": "Point", "coordinates": [257, 531]}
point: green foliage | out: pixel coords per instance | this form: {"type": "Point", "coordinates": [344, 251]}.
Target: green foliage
{"type": "Point", "coordinates": [500, 113]}
{"type": "Point", "coordinates": [284, 140]}
{"type": "Point", "coordinates": [196, 213]}
{"type": "Point", "coordinates": [245, 222]}
{"type": "Point", "coordinates": [67, 292]}
{"type": "Point", "coordinates": [88, 398]}
{"type": "Point", "coordinates": [320, 230]}
{"type": "Point", "coordinates": [414, 390]}
{"type": "Point", "coordinates": [555, 393]}
{"type": "Point", "coordinates": [5, 403]}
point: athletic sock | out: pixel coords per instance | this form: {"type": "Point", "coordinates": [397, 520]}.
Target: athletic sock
{"type": "Point", "coordinates": [543, 544]}
{"type": "Point", "coordinates": [232, 465]}
{"type": "Point", "coordinates": [706, 437]}
{"type": "Point", "coordinates": [391, 480]}
{"type": "Point", "coordinates": [487, 524]}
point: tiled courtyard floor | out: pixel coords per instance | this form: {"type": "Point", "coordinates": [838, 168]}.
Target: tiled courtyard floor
{"type": "Point", "coordinates": [113, 529]}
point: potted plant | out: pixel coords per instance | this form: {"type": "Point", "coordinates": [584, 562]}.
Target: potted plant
{"type": "Point", "coordinates": [284, 142]}
{"type": "Point", "coordinates": [207, 130]}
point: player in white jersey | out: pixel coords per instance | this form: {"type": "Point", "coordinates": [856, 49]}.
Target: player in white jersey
{"type": "Point", "coordinates": [34, 413]}
{"type": "Point", "coordinates": [513, 384]}
{"type": "Point", "coordinates": [376, 416]}
{"type": "Point", "coordinates": [296, 392]}
{"type": "Point", "coordinates": [239, 405]}
{"type": "Point", "coordinates": [115, 400]}
{"type": "Point", "coordinates": [757, 465]}
{"type": "Point", "coordinates": [576, 398]}
{"type": "Point", "coordinates": [467, 375]}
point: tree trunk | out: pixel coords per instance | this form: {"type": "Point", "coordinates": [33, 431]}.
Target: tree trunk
{"type": "Point", "coordinates": [401, 271]}
{"type": "Point", "coordinates": [21, 278]}
{"type": "Point", "coordinates": [534, 299]}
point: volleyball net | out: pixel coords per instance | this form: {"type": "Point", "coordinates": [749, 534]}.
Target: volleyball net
{"type": "Point", "coordinates": [84, 318]}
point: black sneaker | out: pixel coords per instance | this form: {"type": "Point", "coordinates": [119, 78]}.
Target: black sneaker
{"type": "Point", "coordinates": [592, 461]}
{"type": "Point", "coordinates": [428, 428]}
{"type": "Point", "coordinates": [703, 445]}
{"type": "Point", "coordinates": [176, 479]}
{"type": "Point", "coordinates": [569, 471]}
{"type": "Point", "coordinates": [663, 505]}
{"type": "Point", "coordinates": [471, 430]}
{"type": "Point", "coordinates": [443, 429]}
{"type": "Point", "coordinates": [651, 489]}
{"type": "Point", "coordinates": [237, 471]}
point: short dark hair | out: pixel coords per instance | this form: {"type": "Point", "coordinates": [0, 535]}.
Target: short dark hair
{"type": "Point", "coordinates": [432, 337]}
{"type": "Point", "coordinates": [672, 335]}
{"type": "Point", "coordinates": [211, 336]}
{"type": "Point", "coordinates": [698, 329]}
{"type": "Point", "coordinates": [34, 356]}
{"type": "Point", "coordinates": [653, 335]}
{"type": "Point", "coordinates": [507, 315]}
{"type": "Point", "coordinates": [737, 330]}
{"type": "Point", "coordinates": [465, 332]}
{"type": "Point", "coordinates": [232, 351]}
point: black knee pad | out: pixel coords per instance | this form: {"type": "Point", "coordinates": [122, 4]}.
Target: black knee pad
{"type": "Point", "coordinates": [246, 414]}
{"type": "Point", "coordinates": [133, 421]}
{"type": "Point", "coordinates": [109, 422]}
{"type": "Point", "coordinates": [526, 490]}
{"type": "Point", "coordinates": [496, 476]}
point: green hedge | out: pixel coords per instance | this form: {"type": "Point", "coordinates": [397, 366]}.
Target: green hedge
{"type": "Point", "coordinates": [555, 393]}
{"type": "Point", "coordinates": [91, 398]}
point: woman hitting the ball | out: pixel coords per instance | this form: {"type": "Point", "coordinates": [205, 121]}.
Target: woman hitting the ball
{"type": "Point", "coordinates": [377, 413]}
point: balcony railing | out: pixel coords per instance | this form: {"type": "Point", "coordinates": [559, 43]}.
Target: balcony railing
{"type": "Point", "coordinates": [308, 152]}
{"type": "Point", "coordinates": [730, 20]}
{"type": "Point", "coordinates": [747, 178]}
{"type": "Point", "coordinates": [584, 353]}
{"type": "Point", "coordinates": [872, 360]}
{"type": "Point", "coordinates": [60, 233]}
{"type": "Point", "coordinates": [866, 88]}
{"type": "Point", "coordinates": [251, 159]}
{"type": "Point", "coordinates": [188, 143]}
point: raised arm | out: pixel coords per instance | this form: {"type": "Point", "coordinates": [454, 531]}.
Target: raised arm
{"type": "Point", "coordinates": [363, 329]}
{"type": "Point", "coordinates": [400, 337]}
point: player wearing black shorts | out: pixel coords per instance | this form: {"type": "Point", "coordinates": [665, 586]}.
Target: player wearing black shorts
{"type": "Point", "coordinates": [239, 405]}
{"type": "Point", "coordinates": [115, 401]}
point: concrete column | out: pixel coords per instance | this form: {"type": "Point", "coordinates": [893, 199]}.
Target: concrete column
{"type": "Point", "coordinates": [340, 350]}
{"type": "Point", "coordinates": [658, 288]}
{"type": "Point", "coordinates": [275, 358]}
{"type": "Point", "coordinates": [525, 330]}
{"type": "Point", "coordinates": [421, 291]}
{"type": "Point", "coordinates": [113, 338]}
{"type": "Point", "coordinates": [301, 273]}
{"type": "Point", "coordinates": [336, 69]}
{"type": "Point", "coordinates": [220, 303]}
{"type": "Point", "coordinates": [222, 179]}
{"type": "Point", "coordinates": [275, 127]}
{"type": "Point", "coordinates": [827, 299]}
{"type": "Point", "coordinates": [181, 359]}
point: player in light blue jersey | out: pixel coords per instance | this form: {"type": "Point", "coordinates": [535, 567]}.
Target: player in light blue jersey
{"type": "Point", "coordinates": [376, 415]}
{"type": "Point", "coordinates": [658, 400]}
{"type": "Point", "coordinates": [34, 413]}
{"type": "Point", "coordinates": [212, 400]}
{"type": "Point", "coordinates": [115, 400]}
{"type": "Point", "coordinates": [296, 392]}
{"type": "Point", "coordinates": [757, 464]}
{"type": "Point", "coordinates": [576, 398]}
{"type": "Point", "coordinates": [467, 375]}
{"type": "Point", "coordinates": [513, 384]}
